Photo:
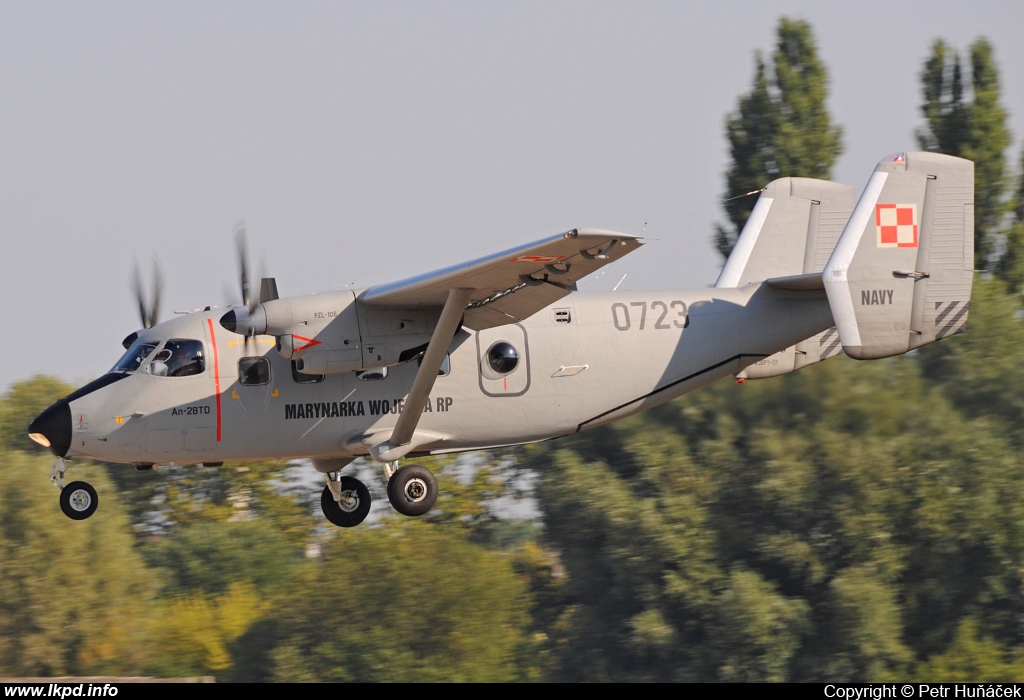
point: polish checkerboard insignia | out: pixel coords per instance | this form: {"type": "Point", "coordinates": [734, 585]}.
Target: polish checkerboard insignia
{"type": "Point", "coordinates": [896, 225]}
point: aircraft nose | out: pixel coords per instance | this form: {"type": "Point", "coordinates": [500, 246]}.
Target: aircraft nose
{"type": "Point", "coordinates": [52, 428]}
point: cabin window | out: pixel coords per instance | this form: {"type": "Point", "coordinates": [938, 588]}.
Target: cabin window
{"type": "Point", "coordinates": [253, 371]}
{"type": "Point", "coordinates": [178, 358]}
{"type": "Point", "coordinates": [133, 359]}
{"type": "Point", "coordinates": [373, 375]}
{"type": "Point", "coordinates": [301, 378]}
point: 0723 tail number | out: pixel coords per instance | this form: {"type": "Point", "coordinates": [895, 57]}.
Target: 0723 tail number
{"type": "Point", "coordinates": [666, 315]}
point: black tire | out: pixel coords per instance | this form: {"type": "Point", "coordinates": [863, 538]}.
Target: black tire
{"type": "Point", "coordinates": [412, 490]}
{"type": "Point", "coordinates": [78, 500]}
{"type": "Point", "coordinates": [354, 506]}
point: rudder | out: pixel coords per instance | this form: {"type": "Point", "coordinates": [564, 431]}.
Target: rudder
{"type": "Point", "coordinates": [900, 276]}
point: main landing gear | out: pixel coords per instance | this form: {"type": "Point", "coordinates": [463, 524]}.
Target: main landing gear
{"type": "Point", "coordinates": [412, 490]}
{"type": "Point", "coordinates": [345, 501]}
{"type": "Point", "coordinates": [78, 500]}
{"type": "Point", "coordinates": [353, 502]}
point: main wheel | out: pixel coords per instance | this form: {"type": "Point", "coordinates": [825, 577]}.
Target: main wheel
{"type": "Point", "coordinates": [78, 500]}
{"type": "Point", "coordinates": [353, 507]}
{"type": "Point", "coordinates": [412, 490]}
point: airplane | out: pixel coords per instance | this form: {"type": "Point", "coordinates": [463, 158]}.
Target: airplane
{"type": "Point", "coordinates": [504, 350]}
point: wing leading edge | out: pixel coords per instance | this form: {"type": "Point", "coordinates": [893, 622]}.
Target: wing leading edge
{"type": "Point", "coordinates": [511, 285]}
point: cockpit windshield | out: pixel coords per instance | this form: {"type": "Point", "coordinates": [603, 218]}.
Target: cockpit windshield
{"type": "Point", "coordinates": [132, 360]}
{"type": "Point", "coordinates": [178, 358]}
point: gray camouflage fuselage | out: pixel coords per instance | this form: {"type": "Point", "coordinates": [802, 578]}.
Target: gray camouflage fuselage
{"type": "Point", "coordinates": [619, 353]}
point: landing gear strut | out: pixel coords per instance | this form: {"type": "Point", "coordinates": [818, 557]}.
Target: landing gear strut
{"type": "Point", "coordinates": [78, 500]}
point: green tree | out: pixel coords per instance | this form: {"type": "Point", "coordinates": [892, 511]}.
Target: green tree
{"type": "Point", "coordinates": [167, 497]}
{"type": "Point", "coordinates": [839, 523]}
{"type": "Point", "coordinates": [194, 635]}
{"type": "Point", "coordinates": [208, 557]}
{"type": "Point", "coordinates": [972, 128]}
{"type": "Point", "coordinates": [981, 370]}
{"type": "Point", "coordinates": [970, 659]}
{"type": "Point", "coordinates": [781, 128]}
{"type": "Point", "coordinates": [411, 602]}
{"type": "Point", "coordinates": [74, 596]}
{"type": "Point", "coordinates": [1011, 263]}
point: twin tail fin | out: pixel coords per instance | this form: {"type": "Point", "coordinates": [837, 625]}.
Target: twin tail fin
{"type": "Point", "coordinates": [900, 276]}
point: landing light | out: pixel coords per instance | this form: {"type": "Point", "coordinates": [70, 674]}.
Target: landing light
{"type": "Point", "coordinates": [39, 438]}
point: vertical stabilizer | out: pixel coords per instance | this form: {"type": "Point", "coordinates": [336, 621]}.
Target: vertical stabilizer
{"type": "Point", "coordinates": [900, 276]}
{"type": "Point", "coordinates": [792, 231]}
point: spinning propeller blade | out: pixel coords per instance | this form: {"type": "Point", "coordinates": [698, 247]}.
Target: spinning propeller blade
{"type": "Point", "coordinates": [243, 262]}
{"type": "Point", "coordinates": [148, 313]}
{"type": "Point", "coordinates": [241, 320]}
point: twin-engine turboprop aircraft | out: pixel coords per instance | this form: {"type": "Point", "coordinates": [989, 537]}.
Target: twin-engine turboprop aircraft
{"type": "Point", "coordinates": [503, 350]}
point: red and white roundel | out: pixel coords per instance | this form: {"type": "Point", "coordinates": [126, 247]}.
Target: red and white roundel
{"type": "Point", "coordinates": [897, 225]}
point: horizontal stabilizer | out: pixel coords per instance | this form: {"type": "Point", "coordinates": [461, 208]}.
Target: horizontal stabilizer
{"type": "Point", "coordinates": [798, 283]}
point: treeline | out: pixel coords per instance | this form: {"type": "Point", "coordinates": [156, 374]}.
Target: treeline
{"type": "Point", "coordinates": [856, 521]}
{"type": "Point", "coordinates": [851, 522]}
{"type": "Point", "coordinates": [228, 572]}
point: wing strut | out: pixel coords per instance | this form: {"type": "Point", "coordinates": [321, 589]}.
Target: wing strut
{"type": "Point", "coordinates": [440, 340]}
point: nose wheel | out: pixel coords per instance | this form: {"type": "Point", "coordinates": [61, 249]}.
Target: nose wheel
{"type": "Point", "coordinates": [412, 490]}
{"type": "Point", "coordinates": [78, 500]}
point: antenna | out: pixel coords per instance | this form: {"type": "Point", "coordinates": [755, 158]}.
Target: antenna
{"type": "Point", "coordinates": [616, 287]}
{"type": "Point", "coordinates": [745, 194]}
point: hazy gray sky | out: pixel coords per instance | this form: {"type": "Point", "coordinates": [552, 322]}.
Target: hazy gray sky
{"type": "Point", "coordinates": [366, 142]}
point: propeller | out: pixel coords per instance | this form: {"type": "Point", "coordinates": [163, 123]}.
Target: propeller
{"type": "Point", "coordinates": [243, 263]}
{"type": "Point", "coordinates": [148, 313]}
{"type": "Point", "coordinates": [249, 319]}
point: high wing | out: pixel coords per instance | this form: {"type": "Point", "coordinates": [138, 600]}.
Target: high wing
{"type": "Point", "coordinates": [511, 285]}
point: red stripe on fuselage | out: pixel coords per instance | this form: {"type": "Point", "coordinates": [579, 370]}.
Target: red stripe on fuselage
{"type": "Point", "coordinates": [216, 373]}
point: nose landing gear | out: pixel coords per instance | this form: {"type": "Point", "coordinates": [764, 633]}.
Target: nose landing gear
{"type": "Point", "coordinates": [78, 500]}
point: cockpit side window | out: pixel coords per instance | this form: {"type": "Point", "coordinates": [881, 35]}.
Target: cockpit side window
{"type": "Point", "coordinates": [132, 360]}
{"type": "Point", "coordinates": [253, 371]}
{"type": "Point", "coordinates": [178, 358]}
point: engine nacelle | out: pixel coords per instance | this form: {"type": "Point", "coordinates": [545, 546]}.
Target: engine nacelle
{"type": "Point", "coordinates": [319, 331]}
{"type": "Point", "coordinates": [333, 333]}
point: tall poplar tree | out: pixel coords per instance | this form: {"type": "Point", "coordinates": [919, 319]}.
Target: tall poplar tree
{"type": "Point", "coordinates": [780, 128]}
{"type": "Point", "coordinates": [1011, 263]}
{"type": "Point", "coordinates": [972, 128]}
